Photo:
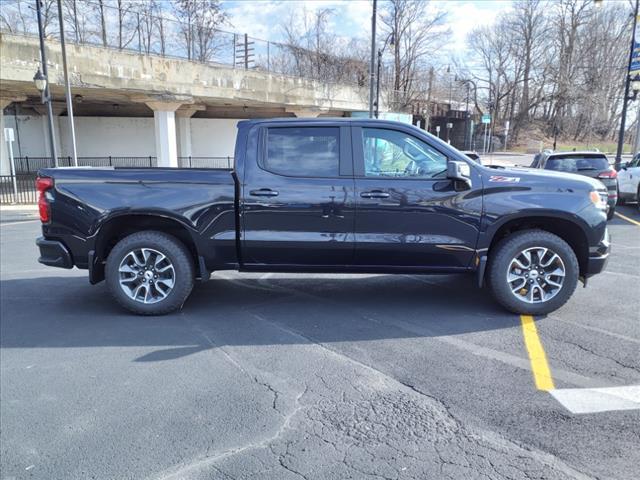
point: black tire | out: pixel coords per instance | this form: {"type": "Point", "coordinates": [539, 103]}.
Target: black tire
{"type": "Point", "coordinates": [507, 249]}
{"type": "Point", "coordinates": [611, 212]}
{"type": "Point", "coordinates": [176, 253]}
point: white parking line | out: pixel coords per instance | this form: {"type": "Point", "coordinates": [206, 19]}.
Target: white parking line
{"type": "Point", "coordinates": [6, 224]}
{"type": "Point", "coordinates": [596, 329]}
{"type": "Point", "coordinates": [594, 400]}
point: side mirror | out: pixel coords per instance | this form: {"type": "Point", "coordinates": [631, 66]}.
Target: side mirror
{"type": "Point", "coordinates": [459, 172]}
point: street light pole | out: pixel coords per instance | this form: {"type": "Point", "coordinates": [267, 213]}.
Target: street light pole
{"type": "Point", "coordinates": [373, 56]}
{"type": "Point", "coordinates": [46, 93]}
{"type": "Point", "coordinates": [625, 98]}
{"type": "Point", "coordinates": [377, 111]}
{"type": "Point", "coordinates": [72, 126]}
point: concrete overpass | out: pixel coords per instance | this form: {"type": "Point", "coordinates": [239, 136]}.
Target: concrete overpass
{"type": "Point", "coordinates": [114, 83]}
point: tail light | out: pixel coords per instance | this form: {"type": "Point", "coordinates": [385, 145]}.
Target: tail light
{"type": "Point", "coordinates": [43, 184]}
{"type": "Point", "coordinates": [608, 174]}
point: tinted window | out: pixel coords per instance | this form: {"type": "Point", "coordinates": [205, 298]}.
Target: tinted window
{"type": "Point", "coordinates": [390, 153]}
{"type": "Point", "coordinates": [303, 151]}
{"type": "Point", "coordinates": [577, 163]}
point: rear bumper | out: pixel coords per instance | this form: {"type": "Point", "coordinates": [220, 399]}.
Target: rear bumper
{"type": "Point", "coordinates": [53, 253]}
{"type": "Point", "coordinates": [599, 256]}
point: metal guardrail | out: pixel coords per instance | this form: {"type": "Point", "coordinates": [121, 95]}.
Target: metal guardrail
{"type": "Point", "coordinates": [27, 168]}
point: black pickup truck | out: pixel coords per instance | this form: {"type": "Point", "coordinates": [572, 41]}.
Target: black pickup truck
{"type": "Point", "coordinates": [326, 195]}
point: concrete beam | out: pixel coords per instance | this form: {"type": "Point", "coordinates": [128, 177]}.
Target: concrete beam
{"type": "Point", "coordinates": [99, 73]}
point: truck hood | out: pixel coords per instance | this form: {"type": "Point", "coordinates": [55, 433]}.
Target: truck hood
{"type": "Point", "coordinates": [560, 178]}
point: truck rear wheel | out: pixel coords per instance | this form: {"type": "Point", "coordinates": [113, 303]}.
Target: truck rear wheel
{"type": "Point", "coordinates": [533, 272]}
{"type": "Point", "coordinates": [150, 273]}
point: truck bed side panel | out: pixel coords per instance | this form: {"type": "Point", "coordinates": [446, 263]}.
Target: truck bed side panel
{"type": "Point", "coordinates": [202, 201]}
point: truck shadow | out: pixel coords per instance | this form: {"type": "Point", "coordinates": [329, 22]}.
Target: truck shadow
{"type": "Point", "coordinates": [67, 312]}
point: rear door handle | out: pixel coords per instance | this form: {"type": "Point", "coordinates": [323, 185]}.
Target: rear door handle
{"type": "Point", "coordinates": [374, 194]}
{"type": "Point", "coordinates": [263, 192]}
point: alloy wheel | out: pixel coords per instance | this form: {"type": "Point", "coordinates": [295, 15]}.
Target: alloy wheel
{"type": "Point", "coordinates": [536, 275]}
{"type": "Point", "coordinates": [146, 275]}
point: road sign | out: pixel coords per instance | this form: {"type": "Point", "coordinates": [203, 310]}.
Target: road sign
{"type": "Point", "coordinates": [634, 68]}
{"type": "Point", "coordinates": [437, 128]}
{"type": "Point", "coordinates": [486, 118]}
{"type": "Point", "coordinates": [449, 125]}
{"type": "Point", "coordinates": [8, 135]}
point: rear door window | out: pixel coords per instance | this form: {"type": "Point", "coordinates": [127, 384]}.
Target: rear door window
{"type": "Point", "coordinates": [303, 151]}
{"type": "Point", "coordinates": [577, 163]}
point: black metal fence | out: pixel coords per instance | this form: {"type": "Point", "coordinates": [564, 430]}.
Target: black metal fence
{"type": "Point", "coordinates": [205, 162]}
{"type": "Point", "coordinates": [24, 191]}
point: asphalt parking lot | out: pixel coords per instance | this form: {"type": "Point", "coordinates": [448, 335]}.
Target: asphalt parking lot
{"type": "Point", "coordinates": [276, 376]}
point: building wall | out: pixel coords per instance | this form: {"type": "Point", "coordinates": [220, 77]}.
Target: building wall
{"type": "Point", "coordinates": [118, 136]}
{"type": "Point", "coordinates": [213, 137]}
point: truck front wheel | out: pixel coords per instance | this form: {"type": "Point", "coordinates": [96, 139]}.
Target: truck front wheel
{"type": "Point", "coordinates": [532, 272]}
{"type": "Point", "coordinates": [150, 273]}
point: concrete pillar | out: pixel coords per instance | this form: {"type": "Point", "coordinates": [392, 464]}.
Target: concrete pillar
{"type": "Point", "coordinates": [164, 115]}
{"type": "Point", "coordinates": [57, 108]}
{"type": "Point", "coordinates": [183, 124]}
{"type": "Point", "coordinates": [5, 165]}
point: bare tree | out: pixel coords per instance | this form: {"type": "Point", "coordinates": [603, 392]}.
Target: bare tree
{"type": "Point", "coordinates": [199, 20]}
{"type": "Point", "coordinates": [416, 31]}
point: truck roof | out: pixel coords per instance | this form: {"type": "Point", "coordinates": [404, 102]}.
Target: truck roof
{"type": "Point", "coordinates": [254, 121]}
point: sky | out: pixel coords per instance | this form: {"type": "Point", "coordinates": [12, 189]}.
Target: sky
{"type": "Point", "coordinates": [262, 18]}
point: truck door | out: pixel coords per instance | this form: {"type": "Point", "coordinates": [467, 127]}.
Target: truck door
{"type": "Point", "coordinates": [298, 200]}
{"type": "Point", "coordinates": [408, 213]}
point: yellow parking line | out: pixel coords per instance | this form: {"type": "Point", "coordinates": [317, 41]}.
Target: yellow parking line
{"type": "Point", "coordinates": [537, 357]}
{"type": "Point", "coordinates": [627, 218]}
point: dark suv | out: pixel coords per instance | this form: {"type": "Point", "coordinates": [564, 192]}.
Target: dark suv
{"type": "Point", "coordinates": [590, 164]}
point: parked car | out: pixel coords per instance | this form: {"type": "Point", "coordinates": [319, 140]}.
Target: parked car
{"type": "Point", "coordinates": [590, 164]}
{"type": "Point", "coordinates": [473, 156]}
{"type": "Point", "coordinates": [326, 195]}
{"type": "Point", "coordinates": [629, 182]}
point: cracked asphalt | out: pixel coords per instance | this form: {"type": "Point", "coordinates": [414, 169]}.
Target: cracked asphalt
{"type": "Point", "coordinates": [277, 376]}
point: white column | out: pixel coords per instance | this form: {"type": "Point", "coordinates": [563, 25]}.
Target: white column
{"type": "Point", "coordinates": [5, 168]}
{"type": "Point", "coordinates": [183, 120]}
{"type": "Point", "coordinates": [184, 135]}
{"type": "Point", "coordinates": [5, 165]}
{"type": "Point", "coordinates": [302, 112]}
{"type": "Point", "coordinates": [164, 115]}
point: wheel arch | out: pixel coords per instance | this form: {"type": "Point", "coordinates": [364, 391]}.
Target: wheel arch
{"type": "Point", "coordinates": [118, 227]}
{"type": "Point", "coordinates": [567, 229]}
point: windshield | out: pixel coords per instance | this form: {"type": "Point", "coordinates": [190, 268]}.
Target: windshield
{"type": "Point", "coordinates": [577, 163]}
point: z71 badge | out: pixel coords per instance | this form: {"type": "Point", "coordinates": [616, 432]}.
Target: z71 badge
{"type": "Point", "coordinates": [503, 179]}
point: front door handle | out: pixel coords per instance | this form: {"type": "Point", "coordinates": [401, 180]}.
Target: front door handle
{"type": "Point", "coordinates": [263, 192]}
{"type": "Point", "coordinates": [375, 194]}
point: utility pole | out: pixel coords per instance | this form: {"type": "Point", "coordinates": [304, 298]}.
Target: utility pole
{"type": "Point", "coordinates": [72, 127]}
{"type": "Point", "coordinates": [46, 93]}
{"type": "Point", "coordinates": [373, 56]}
{"type": "Point", "coordinates": [625, 99]}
